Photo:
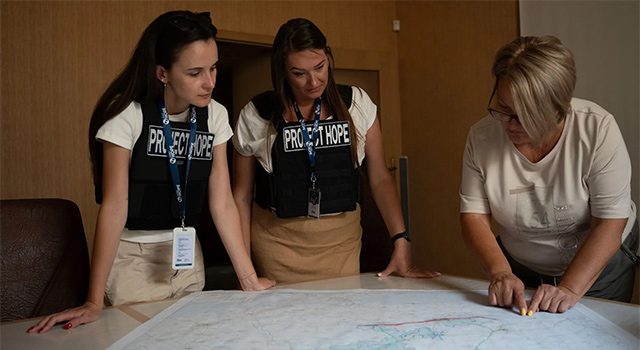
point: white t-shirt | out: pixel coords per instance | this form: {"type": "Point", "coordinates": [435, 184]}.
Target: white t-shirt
{"type": "Point", "coordinates": [251, 130]}
{"type": "Point", "coordinates": [543, 210]}
{"type": "Point", "coordinates": [124, 131]}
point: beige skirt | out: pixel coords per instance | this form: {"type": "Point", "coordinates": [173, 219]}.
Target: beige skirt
{"type": "Point", "coordinates": [304, 249]}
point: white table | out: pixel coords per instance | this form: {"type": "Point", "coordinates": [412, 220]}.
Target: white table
{"type": "Point", "coordinates": [116, 322]}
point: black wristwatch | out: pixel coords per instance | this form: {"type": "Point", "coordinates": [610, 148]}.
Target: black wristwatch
{"type": "Point", "coordinates": [397, 236]}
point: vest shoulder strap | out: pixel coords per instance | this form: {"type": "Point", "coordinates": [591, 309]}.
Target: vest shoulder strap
{"type": "Point", "coordinates": [267, 102]}
{"type": "Point", "coordinates": [346, 93]}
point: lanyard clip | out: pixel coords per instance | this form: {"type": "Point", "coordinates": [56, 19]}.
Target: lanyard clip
{"type": "Point", "coordinates": [313, 180]}
{"type": "Point", "coordinates": [182, 219]}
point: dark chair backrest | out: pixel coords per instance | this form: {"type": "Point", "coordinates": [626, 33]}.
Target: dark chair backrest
{"type": "Point", "coordinates": [44, 259]}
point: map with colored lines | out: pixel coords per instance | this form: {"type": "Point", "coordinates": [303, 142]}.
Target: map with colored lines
{"type": "Point", "coordinates": [367, 319]}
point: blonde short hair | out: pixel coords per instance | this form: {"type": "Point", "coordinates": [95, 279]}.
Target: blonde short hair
{"type": "Point", "coordinates": [542, 76]}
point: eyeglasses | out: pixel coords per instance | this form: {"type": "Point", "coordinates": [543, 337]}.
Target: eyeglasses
{"type": "Point", "coordinates": [499, 115]}
{"type": "Point", "coordinates": [502, 116]}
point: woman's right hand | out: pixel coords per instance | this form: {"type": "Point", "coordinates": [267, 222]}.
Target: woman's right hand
{"type": "Point", "coordinates": [507, 290]}
{"type": "Point", "coordinates": [86, 313]}
{"type": "Point", "coordinates": [255, 283]}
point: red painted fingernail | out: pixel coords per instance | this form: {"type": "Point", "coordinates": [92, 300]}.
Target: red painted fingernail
{"type": "Point", "coordinates": [30, 329]}
{"type": "Point", "coordinates": [67, 326]}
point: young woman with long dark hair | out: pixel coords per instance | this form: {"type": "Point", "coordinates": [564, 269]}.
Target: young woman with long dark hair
{"type": "Point", "coordinates": [158, 147]}
{"type": "Point", "coordinates": [307, 140]}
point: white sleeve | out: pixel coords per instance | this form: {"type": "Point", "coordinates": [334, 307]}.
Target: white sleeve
{"type": "Point", "coordinates": [609, 179]}
{"type": "Point", "coordinates": [363, 113]}
{"type": "Point", "coordinates": [473, 197]}
{"type": "Point", "coordinates": [362, 105]}
{"type": "Point", "coordinates": [219, 123]}
{"type": "Point", "coordinates": [124, 129]}
{"type": "Point", "coordinates": [251, 132]}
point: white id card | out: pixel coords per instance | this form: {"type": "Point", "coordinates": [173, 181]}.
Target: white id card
{"type": "Point", "coordinates": [184, 244]}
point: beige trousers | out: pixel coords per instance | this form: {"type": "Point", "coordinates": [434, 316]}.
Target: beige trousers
{"type": "Point", "coordinates": [303, 249]}
{"type": "Point", "coordinates": [143, 272]}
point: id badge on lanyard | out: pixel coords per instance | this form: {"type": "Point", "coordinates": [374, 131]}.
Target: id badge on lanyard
{"type": "Point", "coordinates": [184, 245]}
{"type": "Point", "coordinates": [184, 238]}
{"type": "Point", "coordinates": [314, 194]}
{"type": "Point", "coordinates": [313, 208]}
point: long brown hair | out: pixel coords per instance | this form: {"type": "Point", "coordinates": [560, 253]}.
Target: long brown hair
{"type": "Point", "coordinates": [160, 44]}
{"type": "Point", "coordinates": [297, 35]}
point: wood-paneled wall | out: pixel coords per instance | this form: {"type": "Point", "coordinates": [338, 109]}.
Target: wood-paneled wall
{"type": "Point", "coordinates": [59, 56]}
{"type": "Point", "coordinates": [446, 49]}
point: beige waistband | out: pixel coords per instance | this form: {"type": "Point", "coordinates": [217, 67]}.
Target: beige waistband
{"type": "Point", "coordinates": [146, 236]}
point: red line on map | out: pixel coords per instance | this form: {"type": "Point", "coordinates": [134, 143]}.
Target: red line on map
{"type": "Point", "coordinates": [426, 321]}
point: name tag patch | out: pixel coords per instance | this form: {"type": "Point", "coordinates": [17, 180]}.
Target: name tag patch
{"type": "Point", "coordinates": [331, 134]}
{"type": "Point", "coordinates": [203, 146]}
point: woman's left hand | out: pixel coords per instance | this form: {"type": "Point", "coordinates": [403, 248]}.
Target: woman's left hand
{"type": "Point", "coordinates": [401, 263]}
{"type": "Point", "coordinates": [553, 299]}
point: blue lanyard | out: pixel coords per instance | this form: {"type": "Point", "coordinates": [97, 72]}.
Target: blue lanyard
{"type": "Point", "coordinates": [171, 155]}
{"type": "Point", "coordinates": [309, 140]}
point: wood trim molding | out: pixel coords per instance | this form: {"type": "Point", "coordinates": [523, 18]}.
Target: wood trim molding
{"type": "Point", "coordinates": [245, 38]}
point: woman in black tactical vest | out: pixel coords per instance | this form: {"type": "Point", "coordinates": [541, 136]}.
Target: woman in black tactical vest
{"type": "Point", "coordinates": [153, 137]}
{"type": "Point", "coordinates": [307, 140]}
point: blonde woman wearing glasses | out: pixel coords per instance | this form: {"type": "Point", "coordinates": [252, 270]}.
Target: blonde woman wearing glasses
{"type": "Point", "coordinates": [554, 174]}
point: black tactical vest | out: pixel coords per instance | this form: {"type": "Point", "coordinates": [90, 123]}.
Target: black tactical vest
{"type": "Point", "coordinates": [286, 189]}
{"type": "Point", "coordinates": [152, 198]}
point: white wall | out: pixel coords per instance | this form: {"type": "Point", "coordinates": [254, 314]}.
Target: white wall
{"type": "Point", "coordinates": [604, 38]}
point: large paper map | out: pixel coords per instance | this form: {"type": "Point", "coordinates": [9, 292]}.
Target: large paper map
{"type": "Point", "coordinates": [367, 319]}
